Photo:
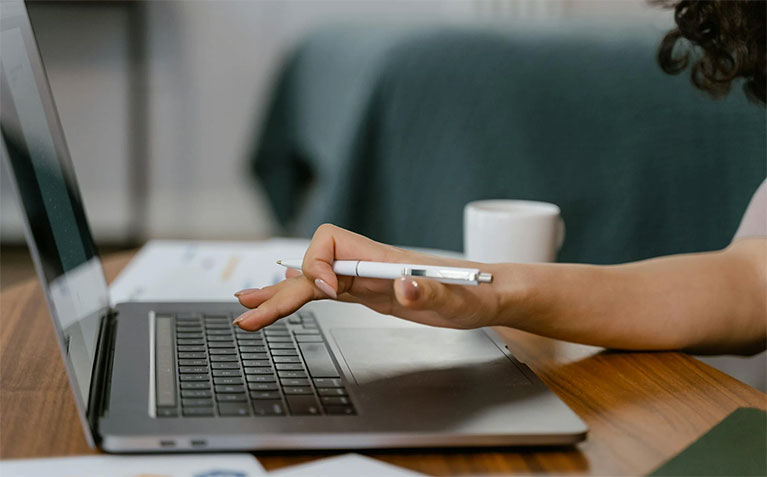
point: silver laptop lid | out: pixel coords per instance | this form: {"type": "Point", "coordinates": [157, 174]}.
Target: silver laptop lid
{"type": "Point", "coordinates": [57, 231]}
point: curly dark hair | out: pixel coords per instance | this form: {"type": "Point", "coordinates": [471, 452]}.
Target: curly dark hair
{"type": "Point", "coordinates": [723, 40]}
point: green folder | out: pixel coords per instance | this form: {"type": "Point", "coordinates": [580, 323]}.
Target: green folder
{"type": "Point", "coordinates": [735, 446]}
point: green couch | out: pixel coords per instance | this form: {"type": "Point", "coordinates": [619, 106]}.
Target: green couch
{"type": "Point", "coordinates": [390, 131]}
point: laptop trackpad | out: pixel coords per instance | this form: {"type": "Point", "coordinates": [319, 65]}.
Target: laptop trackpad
{"type": "Point", "coordinates": [378, 355]}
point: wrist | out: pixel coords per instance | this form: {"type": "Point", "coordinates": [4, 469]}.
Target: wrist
{"type": "Point", "coordinates": [512, 289]}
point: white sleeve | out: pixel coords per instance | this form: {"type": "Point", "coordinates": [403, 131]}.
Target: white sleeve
{"type": "Point", "coordinates": [754, 223]}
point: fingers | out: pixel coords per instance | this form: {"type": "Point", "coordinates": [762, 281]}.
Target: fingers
{"type": "Point", "coordinates": [292, 272]}
{"type": "Point", "coordinates": [287, 297]}
{"type": "Point", "coordinates": [332, 243]}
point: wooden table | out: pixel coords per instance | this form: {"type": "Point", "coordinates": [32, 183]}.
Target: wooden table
{"type": "Point", "coordinates": [642, 408]}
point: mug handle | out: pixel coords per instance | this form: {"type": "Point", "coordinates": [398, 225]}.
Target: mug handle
{"type": "Point", "coordinates": [561, 233]}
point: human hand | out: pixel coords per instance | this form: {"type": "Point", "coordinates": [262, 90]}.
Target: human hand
{"type": "Point", "coordinates": [416, 299]}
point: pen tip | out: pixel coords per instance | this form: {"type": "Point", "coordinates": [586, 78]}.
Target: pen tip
{"type": "Point", "coordinates": [279, 262]}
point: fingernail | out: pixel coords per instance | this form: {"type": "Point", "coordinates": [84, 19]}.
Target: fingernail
{"type": "Point", "coordinates": [326, 289]}
{"type": "Point", "coordinates": [411, 289]}
{"type": "Point", "coordinates": [247, 290]}
{"type": "Point", "coordinates": [238, 319]}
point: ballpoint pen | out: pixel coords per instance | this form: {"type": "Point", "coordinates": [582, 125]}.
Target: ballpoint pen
{"type": "Point", "coordinates": [359, 268]}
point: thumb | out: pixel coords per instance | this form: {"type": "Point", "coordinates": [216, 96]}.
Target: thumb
{"type": "Point", "coordinates": [425, 294]}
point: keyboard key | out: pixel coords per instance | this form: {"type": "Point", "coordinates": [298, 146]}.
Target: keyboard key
{"type": "Point", "coordinates": [233, 409]}
{"type": "Point", "coordinates": [311, 326]}
{"type": "Point", "coordinates": [318, 360]}
{"type": "Point", "coordinates": [189, 355]}
{"type": "Point", "coordinates": [261, 378]}
{"type": "Point", "coordinates": [231, 350]}
{"type": "Point", "coordinates": [254, 356]}
{"type": "Point", "coordinates": [220, 338]}
{"type": "Point", "coordinates": [166, 412]}
{"type": "Point", "coordinates": [294, 320]}
{"type": "Point", "coordinates": [229, 388]}
{"type": "Point", "coordinates": [334, 400]}
{"type": "Point", "coordinates": [279, 339]}
{"type": "Point", "coordinates": [192, 362]}
{"type": "Point", "coordinates": [273, 333]}
{"type": "Point", "coordinates": [268, 408]}
{"type": "Point", "coordinates": [217, 325]}
{"type": "Point", "coordinates": [259, 371]}
{"type": "Point", "coordinates": [225, 365]}
{"type": "Point", "coordinates": [289, 366]}
{"type": "Point", "coordinates": [194, 377]}
{"type": "Point", "coordinates": [297, 390]}
{"type": "Point", "coordinates": [250, 343]}
{"type": "Point", "coordinates": [287, 359]}
{"type": "Point", "coordinates": [198, 411]}
{"type": "Point", "coordinates": [292, 374]}
{"type": "Point", "coordinates": [284, 352]}
{"type": "Point", "coordinates": [189, 335]}
{"type": "Point", "coordinates": [228, 380]}
{"type": "Point", "coordinates": [331, 391]}
{"type": "Point", "coordinates": [328, 383]}
{"type": "Point", "coordinates": [190, 348]}
{"type": "Point", "coordinates": [295, 382]}
{"type": "Point", "coordinates": [303, 405]}
{"type": "Point", "coordinates": [196, 393]}
{"type": "Point", "coordinates": [217, 358]}
{"type": "Point", "coordinates": [219, 332]}
{"type": "Point", "coordinates": [226, 372]}
{"type": "Point", "coordinates": [256, 363]}
{"type": "Point", "coordinates": [263, 386]}
{"type": "Point", "coordinates": [339, 410]}
{"type": "Point", "coordinates": [196, 402]}
{"type": "Point", "coordinates": [282, 345]}
{"type": "Point", "coordinates": [193, 369]}
{"type": "Point", "coordinates": [309, 338]}
{"type": "Point", "coordinates": [188, 315]}
{"type": "Point", "coordinates": [231, 397]}
{"type": "Point", "coordinates": [264, 395]}
{"type": "Point", "coordinates": [252, 349]}
{"type": "Point", "coordinates": [306, 332]}
{"type": "Point", "coordinates": [190, 342]}
{"type": "Point", "coordinates": [195, 385]}
{"type": "Point", "coordinates": [220, 344]}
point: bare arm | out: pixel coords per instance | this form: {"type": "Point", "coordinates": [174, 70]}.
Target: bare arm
{"type": "Point", "coordinates": [712, 302]}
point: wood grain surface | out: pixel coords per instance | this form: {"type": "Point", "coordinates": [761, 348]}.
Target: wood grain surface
{"type": "Point", "coordinates": [642, 408]}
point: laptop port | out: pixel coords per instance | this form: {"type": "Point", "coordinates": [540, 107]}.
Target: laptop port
{"type": "Point", "coordinates": [167, 443]}
{"type": "Point", "coordinates": [199, 443]}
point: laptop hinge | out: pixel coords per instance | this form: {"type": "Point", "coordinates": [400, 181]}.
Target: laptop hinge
{"type": "Point", "coordinates": [102, 372]}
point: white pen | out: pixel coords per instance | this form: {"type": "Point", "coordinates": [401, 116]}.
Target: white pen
{"type": "Point", "coordinates": [359, 268]}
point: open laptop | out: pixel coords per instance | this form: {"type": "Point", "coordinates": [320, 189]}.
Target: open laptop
{"type": "Point", "coordinates": [180, 377]}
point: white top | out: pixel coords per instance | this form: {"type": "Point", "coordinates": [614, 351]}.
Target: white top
{"type": "Point", "coordinates": [754, 223]}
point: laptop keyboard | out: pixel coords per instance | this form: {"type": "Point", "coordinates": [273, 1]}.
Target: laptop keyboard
{"type": "Point", "coordinates": [207, 367]}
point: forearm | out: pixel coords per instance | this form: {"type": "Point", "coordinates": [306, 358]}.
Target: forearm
{"type": "Point", "coordinates": [710, 303]}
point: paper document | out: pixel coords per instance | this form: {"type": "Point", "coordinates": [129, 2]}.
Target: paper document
{"type": "Point", "coordinates": [208, 465]}
{"type": "Point", "coordinates": [343, 466]}
{"type": "Point", "coordinates": [182, 270]}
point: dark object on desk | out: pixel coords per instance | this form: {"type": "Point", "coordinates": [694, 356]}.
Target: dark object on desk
{"type": "Point", "coordinates": [735, 446]}
{"type": "Point", "coordinates": [391, 131]}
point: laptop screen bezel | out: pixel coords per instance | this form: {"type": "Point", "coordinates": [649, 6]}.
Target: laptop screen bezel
{"type": "Point", "coordinates": [14, 16]}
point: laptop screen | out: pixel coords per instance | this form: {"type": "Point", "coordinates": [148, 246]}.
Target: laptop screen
{"type": "Point", "coordinates": [57, 232]}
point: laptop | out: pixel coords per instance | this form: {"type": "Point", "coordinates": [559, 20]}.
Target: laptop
{"type": "Point", "coordinates": [180, 377]}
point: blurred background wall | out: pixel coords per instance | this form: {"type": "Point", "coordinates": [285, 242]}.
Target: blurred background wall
{"type": "Point", "coordinates": [160, 101]}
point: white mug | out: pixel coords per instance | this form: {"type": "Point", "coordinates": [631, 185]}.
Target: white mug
{"type": "Point", "coordinates": [523, 231]}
